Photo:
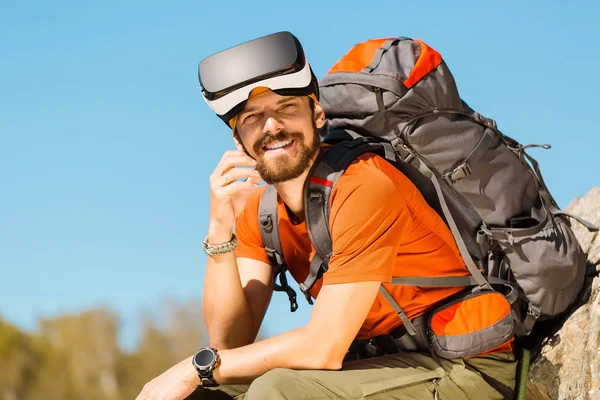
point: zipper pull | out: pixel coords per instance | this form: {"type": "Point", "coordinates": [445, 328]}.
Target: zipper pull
{"type": "Point", "coordinates": [543, 146]}
{"type": "Point", "coordinates": [436, 394]}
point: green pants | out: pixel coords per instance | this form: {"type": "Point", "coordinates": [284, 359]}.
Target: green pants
{"type": "Point", "coordinates": [398, 376]}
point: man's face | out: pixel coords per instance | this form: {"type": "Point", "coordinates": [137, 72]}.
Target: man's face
{"type": "Point", "coordinates": [281, 134]}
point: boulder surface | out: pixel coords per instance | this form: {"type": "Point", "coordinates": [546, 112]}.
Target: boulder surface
{"type": "Point", "coordinates": [567, 365]}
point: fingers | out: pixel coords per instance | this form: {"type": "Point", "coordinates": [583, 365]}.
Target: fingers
{"type": "Point", "coordinates": [228, 192]}
{"type": "Point", "coordinates": [232, 167]}
{"type": "Point", "coordinates": [231, 159]}
{"type": "Point", "coordinates": [240, 173]}
{"type": "Point", "coordinates": [236, 187]}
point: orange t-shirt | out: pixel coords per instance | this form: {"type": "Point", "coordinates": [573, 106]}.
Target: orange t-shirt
{"type": "Point", "coordinates": [381, 226]}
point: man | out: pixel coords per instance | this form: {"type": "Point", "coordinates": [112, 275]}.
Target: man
{"type": "Point", "coordinates": [273, 110]}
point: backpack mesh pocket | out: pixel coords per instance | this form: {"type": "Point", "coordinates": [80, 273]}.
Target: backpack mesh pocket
{"type": "Point", "coordinates": [549, 266]}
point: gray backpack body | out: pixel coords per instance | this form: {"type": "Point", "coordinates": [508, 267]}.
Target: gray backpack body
{"type": "Point", "coordinates": [397, 98]}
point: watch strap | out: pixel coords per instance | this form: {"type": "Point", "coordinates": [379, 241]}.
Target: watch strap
{"type": "Point", "coordinates": [209, 381]}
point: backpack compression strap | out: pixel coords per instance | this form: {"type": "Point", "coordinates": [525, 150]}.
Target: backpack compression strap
{"type": "Point", "coordinates": [269, 232]}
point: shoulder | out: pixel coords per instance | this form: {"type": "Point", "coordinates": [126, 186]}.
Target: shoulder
{"type": "Point", "coordinates": [373, 176]}
{"type": "Point", "coordinates": [367, 187]}
{"type": "Point", "coordinates": [370, 174]}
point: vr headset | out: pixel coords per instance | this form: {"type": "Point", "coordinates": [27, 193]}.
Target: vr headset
{"type": "Point", "coordinates": [276, 61]}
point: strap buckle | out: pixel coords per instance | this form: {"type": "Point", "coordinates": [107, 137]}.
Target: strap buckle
{"type": "Point", "coordinates": [534, 311]}
{"type": "Point", "coordinates": [265, 222]}
{"type": "Point", "coordinates": [316, 195]}
{"type": "Point", "coordinates": [306, 291]}
{"type": "Point", "coordinates": [490, 123]}
{"type": "Point", "coordinates": [460, 172]}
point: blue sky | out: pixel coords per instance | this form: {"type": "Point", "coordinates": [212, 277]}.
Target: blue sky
{"type": "Point", "coordinates": [106, 144]}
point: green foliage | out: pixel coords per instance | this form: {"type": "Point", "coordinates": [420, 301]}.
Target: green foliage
{"type": "Point", "coordinates": [76, 356]}
{"type": "Point", "coordinates": [18, 355]}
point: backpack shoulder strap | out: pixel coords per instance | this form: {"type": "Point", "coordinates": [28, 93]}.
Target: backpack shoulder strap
{"type": "Point", "coordinates": [269, 232]}
{"type": "Point", "coordinates": [326, 171]}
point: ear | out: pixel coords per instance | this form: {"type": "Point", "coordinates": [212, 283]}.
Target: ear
{"type": "Point", "coordinates": [319, 116]}
{"type": "Point", "coordinates": [238, 142]}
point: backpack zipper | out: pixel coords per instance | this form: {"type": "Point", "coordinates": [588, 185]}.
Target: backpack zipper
{"type": "Point", "coordinates": [436, 394]}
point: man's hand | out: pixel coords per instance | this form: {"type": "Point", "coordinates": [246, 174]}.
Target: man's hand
{"type": "Point", "coordinates": [228, 197]}
{"type": "Point", "coordinates": [177, 383]}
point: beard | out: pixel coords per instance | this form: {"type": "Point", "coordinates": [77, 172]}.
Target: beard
{"type": "Point", "coordinates": [282, 169]}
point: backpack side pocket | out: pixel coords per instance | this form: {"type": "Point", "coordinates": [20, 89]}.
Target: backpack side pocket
{"type": "Point", "coordinates": [548, 266]}
{"type": "Point", "coordinates": [470, 325]}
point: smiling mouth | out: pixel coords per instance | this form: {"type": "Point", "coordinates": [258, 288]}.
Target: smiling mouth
{"type": "Point", "coordinates": [278, 145]}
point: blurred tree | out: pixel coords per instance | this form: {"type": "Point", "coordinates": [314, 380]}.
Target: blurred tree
{"type": "Point", "coordinates": [81, 358]}
{"type": "Point", "coordinates": [171, 333]}
{"type": "Point", "coordinates": [76, 356]}
{"type": "Point", "coordinates": [150, 360]}
{"type": "Point", "coordinates": [52, 379]}
{"type": "Point", "coordinates": [18, 359]}
{"type": "Point", "coordinates": [184, 328]}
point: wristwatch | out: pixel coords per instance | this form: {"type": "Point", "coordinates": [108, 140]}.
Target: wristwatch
{"type": "Point", "coordinates": [222, 248]}
{"type": "Point", "coordinates": [205, 361]}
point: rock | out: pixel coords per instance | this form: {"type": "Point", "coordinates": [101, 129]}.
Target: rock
{"type": "Point", "coordinates": [588, 207]}
{"type": "Point", "coordinates": [568, 364]}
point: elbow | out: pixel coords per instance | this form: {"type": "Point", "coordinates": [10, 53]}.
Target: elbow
{"type": "Point", "coordinates": [328, 356]}
{"type": "Point", "coordinates": [326, 351]}
{"type": "Point", "coordinates": [329, 361]}
{"type": "Point", "coordinates": [321, 361]}
{"type": "Point", "coordinates": [332, 364]}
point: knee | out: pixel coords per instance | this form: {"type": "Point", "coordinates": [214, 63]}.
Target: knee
{"type": "Point", "coordinates": [275, 384]}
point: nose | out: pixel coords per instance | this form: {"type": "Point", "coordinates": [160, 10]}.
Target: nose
{"type": "Point", "coordinates": [272, 125]}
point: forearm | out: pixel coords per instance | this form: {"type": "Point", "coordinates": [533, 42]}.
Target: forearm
{"type": "Point", "coordinates": [226, 313]}
{"type": "Point", "coordinates": [337, 316]}
{"type": "Point", "coordinates": [296, 349]}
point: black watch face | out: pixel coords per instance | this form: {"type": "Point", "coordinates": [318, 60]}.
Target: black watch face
{"type": "Point", "coordinates": [204, 358]}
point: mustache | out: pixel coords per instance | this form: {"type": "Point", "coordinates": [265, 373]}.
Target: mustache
{"type": "Point", "coordinates": [278, 137]}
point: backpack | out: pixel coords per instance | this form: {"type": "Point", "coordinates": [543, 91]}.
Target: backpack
{"type": "Point", "coordinates": [397, 98]}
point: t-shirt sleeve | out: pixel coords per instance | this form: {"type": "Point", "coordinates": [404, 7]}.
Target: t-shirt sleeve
{"type": "Point", "coordinates": [367, 222]}
{"type": "Point", "coordinates": [250, 244]}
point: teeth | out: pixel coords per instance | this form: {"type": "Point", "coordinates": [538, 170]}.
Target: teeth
{"type": "Point", "coordinates": [278, 145]}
